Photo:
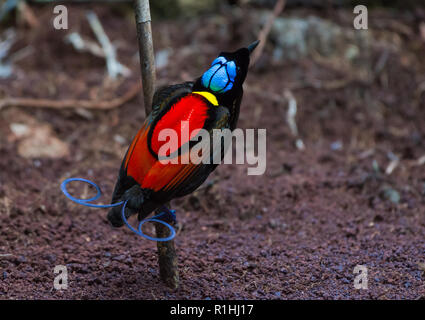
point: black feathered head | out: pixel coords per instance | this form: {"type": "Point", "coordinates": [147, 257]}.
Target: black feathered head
{"type": "Point", "coordinates": [228, 71]}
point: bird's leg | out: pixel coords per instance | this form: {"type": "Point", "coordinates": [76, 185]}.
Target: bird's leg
{"type": "Point", "coordinates": [167, 215]}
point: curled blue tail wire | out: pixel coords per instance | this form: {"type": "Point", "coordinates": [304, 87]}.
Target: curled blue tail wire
{"type": "Point", "coordinates": [138, 231]}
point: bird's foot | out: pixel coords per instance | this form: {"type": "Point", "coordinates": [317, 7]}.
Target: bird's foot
{"type": "Point", "coordinates": [134, 197]}
{"type": "Point", "coordinates": [167, 215]}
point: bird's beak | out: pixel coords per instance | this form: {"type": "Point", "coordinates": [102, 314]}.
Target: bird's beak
{"type": "Point", "coordinates": [252, 46]}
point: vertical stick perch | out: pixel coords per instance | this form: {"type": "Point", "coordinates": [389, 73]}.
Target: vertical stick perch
{"type": "Point", "coordinates": [167, 257]}
{"type": "Point", "coordinates": [147, 58]}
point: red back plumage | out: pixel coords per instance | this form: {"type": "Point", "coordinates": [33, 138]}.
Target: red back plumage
{"type": "Point", "coordinates": [190, 110]}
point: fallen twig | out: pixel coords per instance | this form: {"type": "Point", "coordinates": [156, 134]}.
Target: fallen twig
{"type": "Point", "coordinates": [114, 67]}
{"type": "Point", "coordinates": [84, 45]}
{"type": "Point", "coordinates": [5, 255]}
{"type": "Point", "coordinates": [290, 118]}
{"type": "Point", "coordinates": [21, 54]}
{"type": "Point", "coordinates": [262, 36]}
{"type": "Point", "coordinates": [5, 45]}
{"type": "Point", "coordinates": [393, 163]}
{"type": "Point", "coordinates": [291, 113]}
{"type": "Point", "coordinates": [421, 160]}
{"type": "Point", "coordinates": [73, 104]}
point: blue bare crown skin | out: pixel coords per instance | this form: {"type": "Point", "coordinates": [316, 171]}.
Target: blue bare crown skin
{"type": "Point", "coordinates": [221, 76]}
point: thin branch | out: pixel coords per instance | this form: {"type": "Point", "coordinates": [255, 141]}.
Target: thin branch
{"type": "Point", "coordinates": [167, 256]}
{"type": "Point", "coordinates": [264, 33]}
{"type": "Point", "coordinates": [71, 104]}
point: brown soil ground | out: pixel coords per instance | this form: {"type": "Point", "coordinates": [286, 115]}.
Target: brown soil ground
{"type": "Point", "coordinates": [296, 232]}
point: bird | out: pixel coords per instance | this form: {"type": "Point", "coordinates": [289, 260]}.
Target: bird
{"type": "Point", "coordinates": [211, 101]}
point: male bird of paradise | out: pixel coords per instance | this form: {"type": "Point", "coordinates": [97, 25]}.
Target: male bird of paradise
{"type": "Point", "coordinates": [210, 102]}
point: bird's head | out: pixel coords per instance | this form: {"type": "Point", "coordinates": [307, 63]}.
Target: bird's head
{"type": "Point", "coordinates": [228, 71]}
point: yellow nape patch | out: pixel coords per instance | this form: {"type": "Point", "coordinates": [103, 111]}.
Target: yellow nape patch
{"type": "Point", "coordinates": [209, 96]}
